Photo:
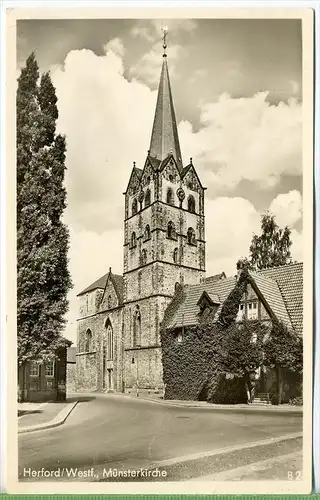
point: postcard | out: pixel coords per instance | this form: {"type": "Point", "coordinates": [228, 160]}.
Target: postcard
{"type": "Point", "coordinates": [160, 256]}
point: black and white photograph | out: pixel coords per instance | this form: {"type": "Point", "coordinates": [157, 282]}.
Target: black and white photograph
{"type": "Point", "coordinates": [162, 329]}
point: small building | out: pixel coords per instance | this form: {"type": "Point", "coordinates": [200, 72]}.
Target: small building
{"type": "Point", "coordinates": [44, 381]}
{"type": "Point", "coordinates": [274, 293]}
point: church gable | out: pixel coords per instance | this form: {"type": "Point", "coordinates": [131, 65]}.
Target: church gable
{"type": "Point", "coordinates": [191, 179]}
{"type": "Point", "coordinates": [147, 174]}
{"type": "Point", "coordinates": [134, 181]}
{"type": "Point", "coordinates": [170, 170]}
{"type": "Point", "coordinates": [109, 298]}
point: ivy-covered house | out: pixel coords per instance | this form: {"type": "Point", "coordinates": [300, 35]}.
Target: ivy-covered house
{"type": "Point", "coordinates": [264, 297]}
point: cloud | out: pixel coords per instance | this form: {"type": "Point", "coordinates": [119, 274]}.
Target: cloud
{"type": "Point", "coordinates": [149, 65]}
{"type": "Point", "coordinates": [231, 223]}
{"type": "Point", "coordinates": [245, 139]}
{"type": "Point", "coordinates": [116, 46]}
{"type": "Point", "coordinates": [287, 208]}
{"type": "Point", "coordinates": [107, 121]}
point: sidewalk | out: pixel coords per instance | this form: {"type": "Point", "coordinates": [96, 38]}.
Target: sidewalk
{"type": "Point", "coordinates": [38, 416]}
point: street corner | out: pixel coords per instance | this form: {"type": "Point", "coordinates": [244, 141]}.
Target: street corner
{"type": "Point", "coordinates": [45, 416]}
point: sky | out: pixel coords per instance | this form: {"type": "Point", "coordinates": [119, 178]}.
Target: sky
{"type": "Point", "coordinates": [236, 87]}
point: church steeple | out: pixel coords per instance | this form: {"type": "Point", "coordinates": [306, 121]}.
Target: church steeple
{"type": "Point", "coordinates": [164, 137]}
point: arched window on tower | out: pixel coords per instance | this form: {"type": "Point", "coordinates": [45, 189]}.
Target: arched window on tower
{"type": "Point", "coordinates": [147, 233]}
{"type": "Point", "coordinates": [143, 257]}
{"type": "Point", "coordinates": [147, 198]}
{"type": "Point", "coordinates": [170, 197]}
{"type": "Point", "coordinates": [191, 204]}
{"type": "Point", "coordinates": [137, 328]}
{"type": "Point", "coordinates": [134, 206]}
{"type": "Point", "coordinates": [88, 346]}
{"type": "Point", "coordinates": [171, 231]}
{"type": "Point", "coordinates": [133, 242]}
{"type": "Point", "coordinates": [191, 236]}
{"type": "Point", "coordinates": [109, 341]}
{"type": "Point", "coordinates": [109, 302]}
{"type": "Point", "coordinates": [175, 255]}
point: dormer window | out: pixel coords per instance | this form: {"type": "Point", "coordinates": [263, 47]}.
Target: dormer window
{"type": "Point", "coordinates": [191, 204]}
{"type": "Point", "coordinates": [208, 305]}
{"type": "Point", "coordinates": [171, 231]}
{"type": "Point", "coordinates": [191, 236]}
{"type": "Point", "coordinates": [134, 207]}
{"type": "Point", "coordinates": [170, 198]}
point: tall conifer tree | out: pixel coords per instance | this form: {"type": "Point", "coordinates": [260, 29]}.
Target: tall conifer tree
{"type": "Point", "coordinates": [42, 238]}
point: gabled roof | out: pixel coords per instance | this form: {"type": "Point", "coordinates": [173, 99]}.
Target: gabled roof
{"type": "Point", "coordinates": [164, 137]}
{"type": "Point", "coordinates": [192, 168]}
{"type": "Point", "coordinates": [270, 291]}
{"type": "Point", "coordinates": [211, 298]}
{"type": "Point", "coordinates": [117, 280]}
{"type": "Point", "coordinates": [135, 172]}
{"type": "Point", "coordinates": [290, 282]}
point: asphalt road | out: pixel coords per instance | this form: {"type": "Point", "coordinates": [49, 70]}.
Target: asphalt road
{"type": "Point", "coordinates": [118, 432]}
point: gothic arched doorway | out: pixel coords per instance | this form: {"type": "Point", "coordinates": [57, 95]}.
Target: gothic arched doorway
{"type": "Point", "coordinates": [107, 358]}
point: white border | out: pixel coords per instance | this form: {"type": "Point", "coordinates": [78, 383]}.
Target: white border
{"type": "Point", "coordinates": [133, 488]}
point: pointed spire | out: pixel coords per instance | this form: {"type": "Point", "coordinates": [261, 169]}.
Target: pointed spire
{"type": "Point", "coordinates": [164, 137]}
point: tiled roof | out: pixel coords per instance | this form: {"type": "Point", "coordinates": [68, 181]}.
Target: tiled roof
{"type": "Point", "coordinates": [281, 287]}
{"type": "Point", "coordinates": [117, 280]}
{"type": "Point", "coordinates": [187, 310]}
{"type": "Point", "coordinates": [271, 292]}
{"type": "Point", "coordinates": [290, 281]}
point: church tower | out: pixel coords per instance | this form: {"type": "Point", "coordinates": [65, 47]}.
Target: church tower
{"type": "Point", "coordinates": [164, 241]}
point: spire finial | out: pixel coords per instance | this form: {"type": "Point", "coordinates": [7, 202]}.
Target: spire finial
{"type": "Point", "coordinates": [164, 39]}
{"type": "Point", "coordinates": [134, 164]}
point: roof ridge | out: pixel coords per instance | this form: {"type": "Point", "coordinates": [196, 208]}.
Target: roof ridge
{"type": "Point", "coordinates": [278, 267]}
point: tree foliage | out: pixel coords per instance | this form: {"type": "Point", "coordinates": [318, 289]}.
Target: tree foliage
{"type": "Point", "coordinates": [283, 349]}
{"type": "Point", "coordinates": [272, 247]}
{"type": "Point", "coordinates": [43, 278]}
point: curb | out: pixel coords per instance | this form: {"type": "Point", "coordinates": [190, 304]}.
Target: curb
{"type": "Point", "coordinates": [233, 408]}
{"type": "Point", "coordinates": [55, 422]}
{"type": "Point", "coordinates": [210, 407]}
